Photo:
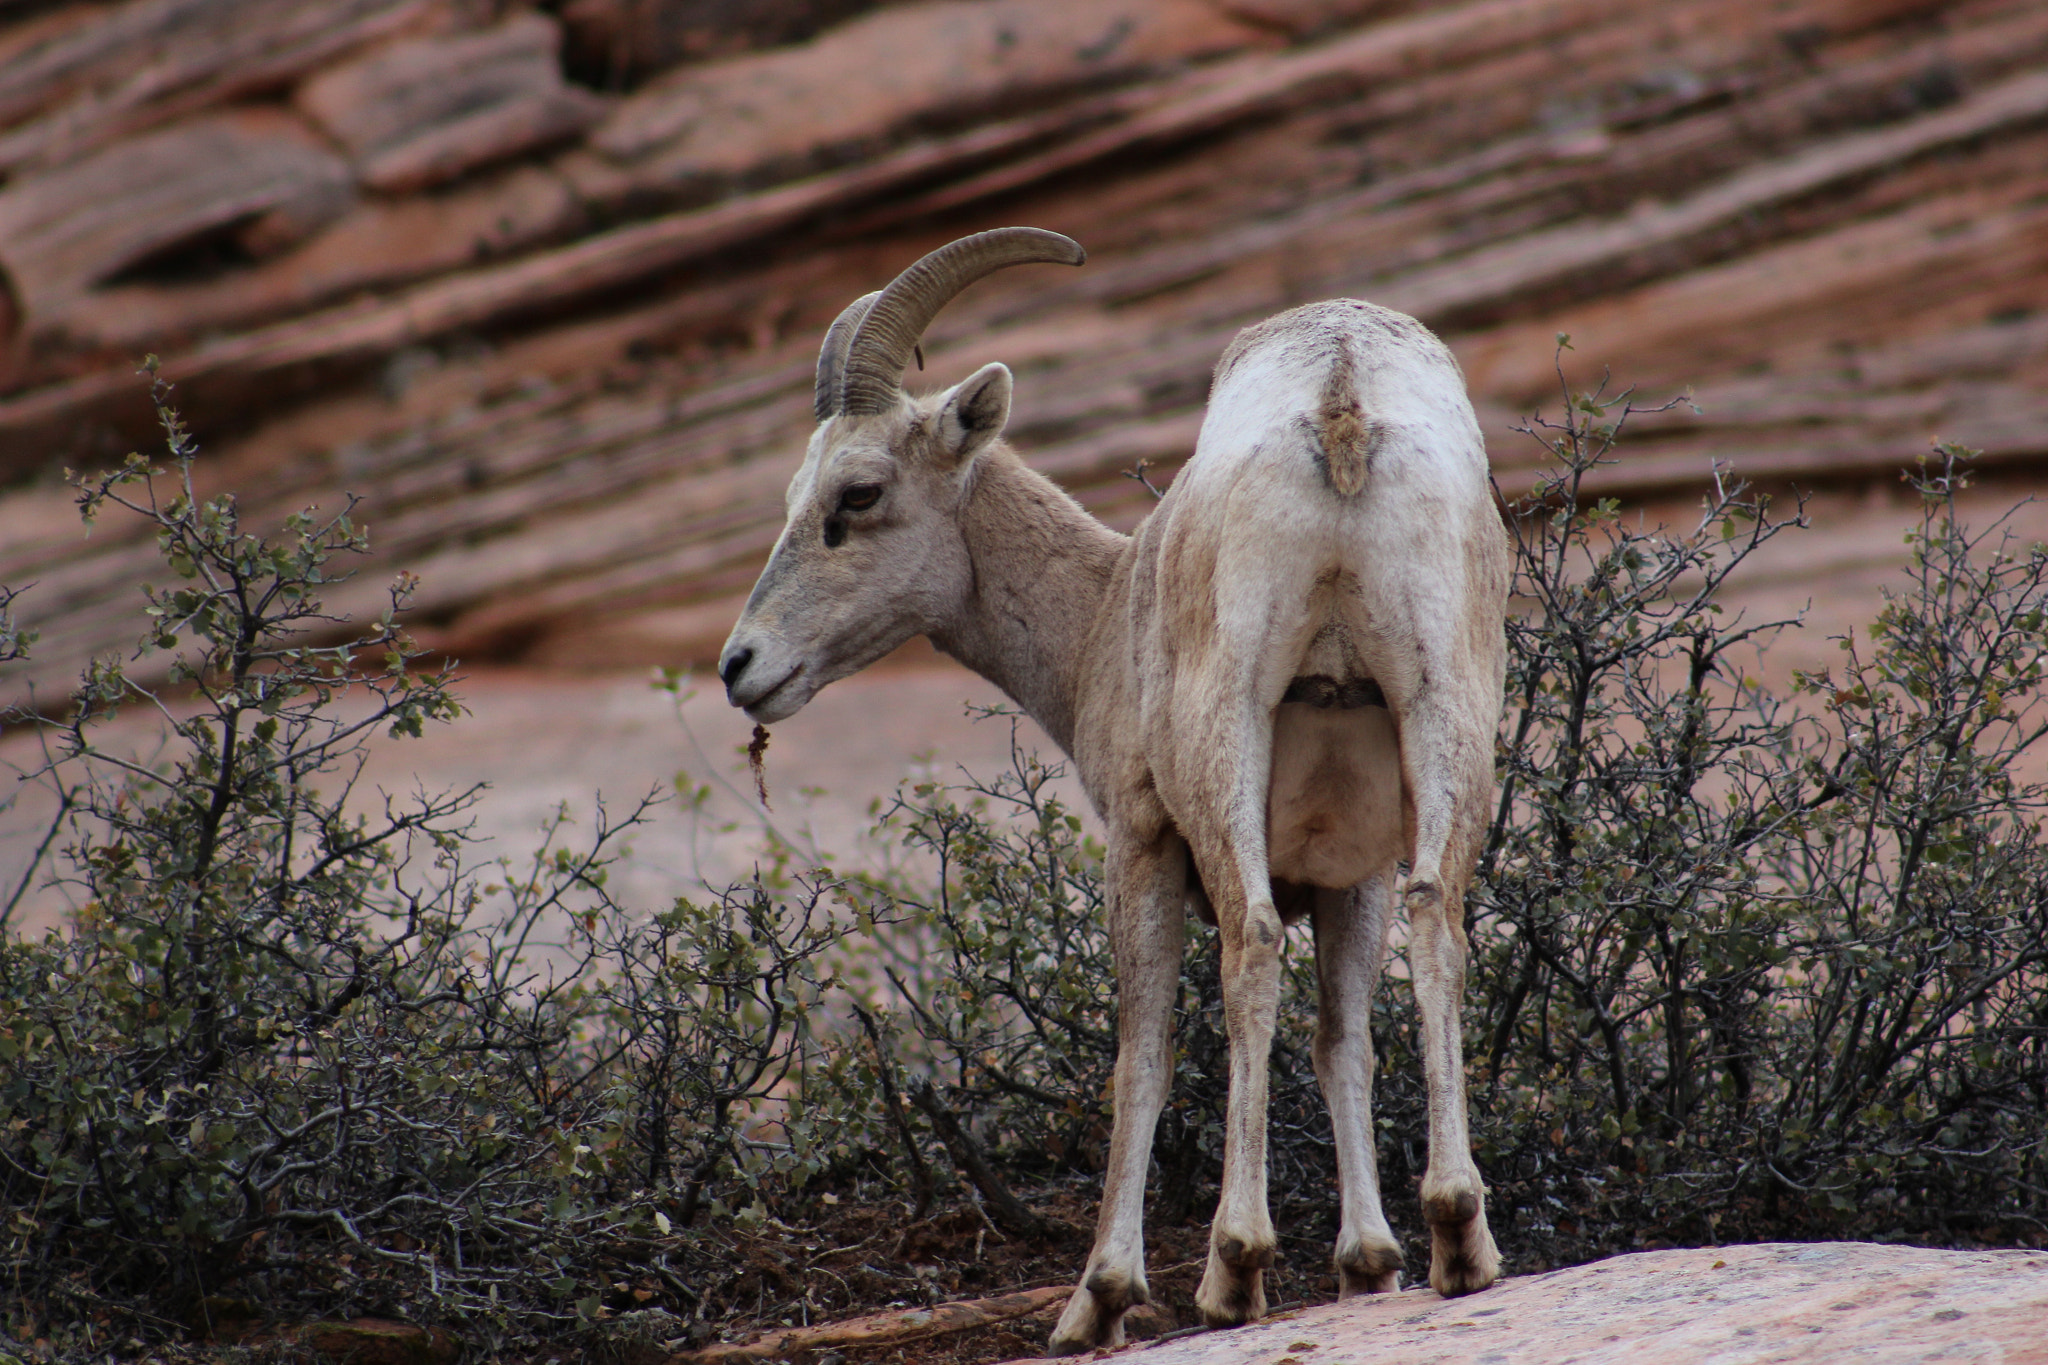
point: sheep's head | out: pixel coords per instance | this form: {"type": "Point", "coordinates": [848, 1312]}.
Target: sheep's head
{"type": "Point", "coordinates": [872, 553]}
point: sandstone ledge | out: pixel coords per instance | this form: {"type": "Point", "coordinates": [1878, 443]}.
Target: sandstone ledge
{"type": "Point", "coordinates": [1736, 1305]}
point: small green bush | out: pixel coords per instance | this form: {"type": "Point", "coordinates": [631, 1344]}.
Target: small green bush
{"type": "Point", "coordinates": [725, 1077]}
{"type": "Point", "coordinates": [291, 1054]}
{"type": "Point", "coordinates": [1754, 966]}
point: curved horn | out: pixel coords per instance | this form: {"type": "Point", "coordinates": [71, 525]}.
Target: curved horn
{"type": "Point", "coordinates": [882, 343]}
{"type": "Point", "coordinates": [832, 355]}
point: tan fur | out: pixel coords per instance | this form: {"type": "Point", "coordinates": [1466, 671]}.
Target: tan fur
{"type": "Point", "coordinates": [1335, 525]}
{"type": "Point", "coordinates": [1345, 434]}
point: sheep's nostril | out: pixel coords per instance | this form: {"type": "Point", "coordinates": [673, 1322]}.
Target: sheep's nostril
{"type": "Point", "coordinates": [735, 664]}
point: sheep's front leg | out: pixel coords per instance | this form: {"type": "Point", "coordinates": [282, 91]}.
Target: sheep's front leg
{"type": "Point", "coordinates": [1146, 887]}
{"type": "Point", "coordinates": [1351, 952]}
{"type": "Point", "coordinates": [1216, 778]}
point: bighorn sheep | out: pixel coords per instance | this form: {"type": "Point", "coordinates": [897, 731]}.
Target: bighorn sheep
{"type": "Point", "coordinates": [1282, 687]}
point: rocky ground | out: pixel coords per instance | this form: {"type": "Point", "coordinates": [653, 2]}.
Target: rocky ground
{"type": "Point", "coordinates": [1735, 1305]}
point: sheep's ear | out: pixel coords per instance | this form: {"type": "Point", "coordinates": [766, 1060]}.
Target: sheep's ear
{"type": "Point", "coordinates": [974, 413]}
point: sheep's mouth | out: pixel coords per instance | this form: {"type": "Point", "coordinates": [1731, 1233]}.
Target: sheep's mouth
{"type": "Point", "coordinates": [765, 702]}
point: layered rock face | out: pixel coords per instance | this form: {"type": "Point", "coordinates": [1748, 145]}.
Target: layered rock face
{"type": "Point", "coordinates": [544, 285]}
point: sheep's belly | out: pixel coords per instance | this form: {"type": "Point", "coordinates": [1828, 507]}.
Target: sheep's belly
{"type": "Point", "coordinates": [1333, 811]}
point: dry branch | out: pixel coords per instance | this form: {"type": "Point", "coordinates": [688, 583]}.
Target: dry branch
{"type": "Point", "coordinates": [1009, 1212]}
{"type": "Point", "coordinates": [883, 1329]}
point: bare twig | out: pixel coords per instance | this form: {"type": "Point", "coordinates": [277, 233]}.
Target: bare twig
{"type": "Point", "coordinates": [1005, 1207]}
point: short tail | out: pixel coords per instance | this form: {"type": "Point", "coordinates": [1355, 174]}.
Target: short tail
{"type": "Point", "coordinates": [1346, 433]}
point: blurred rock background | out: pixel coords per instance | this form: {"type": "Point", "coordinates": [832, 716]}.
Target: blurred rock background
{"type": "Point", "coordinates": [543, 284]}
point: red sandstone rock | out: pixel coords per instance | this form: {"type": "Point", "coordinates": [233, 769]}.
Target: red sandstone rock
{"type": "Point", "coordinates": [1777, 1302]}
{"type": "Point", "coordinates": [616, 42]}
{"type": "Point", "coordinates": [379, 243]}
{"type": "Point", "coordinates": [937, 61]}
{"type": "Point", "coordinates": [1789, 205]}
{"type": "Point", "coordinates": [259, 171]}
{"type": "Point", "coordinates": [425, 110]}
{"type": "Point", "coordinates": [73, 80]}
{"type": "Point", "coordinates": [1302, 18]}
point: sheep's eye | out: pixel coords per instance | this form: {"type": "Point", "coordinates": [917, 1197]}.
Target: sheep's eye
{"type": "Point", "coordinates": [860, 497]}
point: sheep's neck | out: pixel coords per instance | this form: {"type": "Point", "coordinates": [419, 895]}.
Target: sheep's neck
{"type": "Point", "coordinates": [1042, 570]}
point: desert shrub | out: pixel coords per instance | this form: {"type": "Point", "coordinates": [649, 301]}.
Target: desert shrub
{"type": "Point", "coordinates": [1912, 1017]}
{"type": "Point", "coordinates": [998, 957]}
{"type": "Point", "coordinates": [1751, 965]}
{"type": "Point", "coordinates": [272, 1053]}
{"type": "Point", "coordinates": [291, 1054]}
{"type": "Point", "coordinates": [728, 1080]}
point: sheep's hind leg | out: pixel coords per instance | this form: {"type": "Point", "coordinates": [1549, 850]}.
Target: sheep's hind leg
{"type": "Point", "coordinates": [1447, 756]}
{"type": "Point", "coordinates": [1242, 1244]}
{"type": "Point", "coordinates": [1351, 951]}
{"type": "Point", "coordinates": [1463, 1258]}
{"type": "Point", "coordinates": [1146, 886]}
{"type": "Point", "coordinates": [1228, 835]}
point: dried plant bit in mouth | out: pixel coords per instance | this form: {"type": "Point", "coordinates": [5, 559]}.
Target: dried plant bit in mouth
{"type": "Point", "coordinates": [757, 748]}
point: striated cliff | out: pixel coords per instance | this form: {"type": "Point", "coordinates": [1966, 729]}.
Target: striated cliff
{"type": "Point", "coordinates": [544, 285]}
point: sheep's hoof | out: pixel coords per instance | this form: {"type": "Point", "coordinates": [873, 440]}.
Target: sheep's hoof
{"type": "Point", "coordinates": [1370, 1265]}
{"type": "Point", "coordinates": [1233, 1290]}
{"type": "Point", "coordinates": [1462, 1256]}
{"type": "Point", "coordinates": [1094, 1316]}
